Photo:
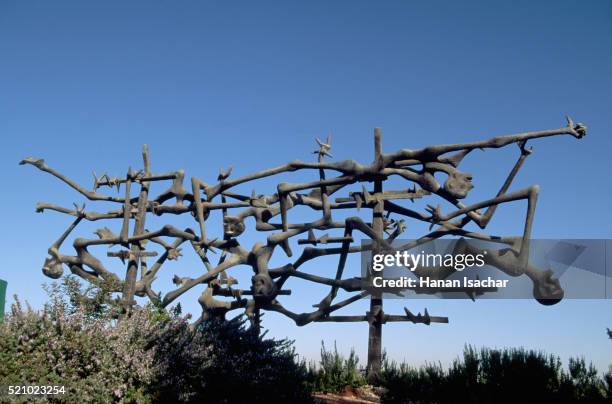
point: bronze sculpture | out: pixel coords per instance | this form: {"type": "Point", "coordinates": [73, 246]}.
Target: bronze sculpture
{"type": "Point", "coordinates": [201, 200]}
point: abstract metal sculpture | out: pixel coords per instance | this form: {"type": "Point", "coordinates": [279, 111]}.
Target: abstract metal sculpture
{"type": "Point", "coordinates": [415, 166]}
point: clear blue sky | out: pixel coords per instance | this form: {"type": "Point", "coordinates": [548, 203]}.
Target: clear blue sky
{"type": "Point", "coordinates": [208, 84]}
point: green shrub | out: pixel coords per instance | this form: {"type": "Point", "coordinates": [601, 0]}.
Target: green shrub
{"type": "Point", "coordinates": [223, 361]}
{"type": "Point", "coordinates": [151, 356]}
{"type": "Point", "coordinates": [155, 356]}
{"type": "Point", "coordinates": [488, 375]}
{"type": "Point", "coordinates": [335, 371]}
{"type": "Point", "coordinates": [95, 361]}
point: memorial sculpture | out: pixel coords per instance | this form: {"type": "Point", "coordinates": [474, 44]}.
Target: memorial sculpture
{"type": "Point", "coordinates": [221, 251]}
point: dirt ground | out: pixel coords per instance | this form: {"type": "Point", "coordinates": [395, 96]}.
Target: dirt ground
{"type": "Point", "coordinates": [349, 394]}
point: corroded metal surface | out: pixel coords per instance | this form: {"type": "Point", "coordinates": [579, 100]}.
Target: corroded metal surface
{"type": "Point", "coordinates": [134, 202]}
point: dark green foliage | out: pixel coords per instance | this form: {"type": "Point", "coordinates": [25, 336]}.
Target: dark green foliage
{"type": "Point", "coordinates": [154, 356]}
{"type": "Point", "coordinates": [227, 362]}
{"type": "Point", "coordinates": [335, 372]}
{"type": "Point", "coordinates": [93, 301]}
{"type": "Point", "coordinates": [508, 375]}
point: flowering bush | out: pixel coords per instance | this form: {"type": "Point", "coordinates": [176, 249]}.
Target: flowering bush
{"type": "Point", "coordinates": [96, 360]}
{"type": "Point", "coordinates": [76, 342]}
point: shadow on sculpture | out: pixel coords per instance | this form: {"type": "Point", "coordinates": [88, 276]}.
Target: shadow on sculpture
{"type": "Point", "coordinates": [221, 293]}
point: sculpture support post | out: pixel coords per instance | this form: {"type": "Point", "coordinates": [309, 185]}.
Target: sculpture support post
{"type": "Point", "coordinates": [375, 315]}
{"type": "Point", "coordinates": [139, 228]}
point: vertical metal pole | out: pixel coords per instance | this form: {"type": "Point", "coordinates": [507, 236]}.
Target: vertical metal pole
{"type": "Point", "coordinates": [2, 298]}
{"type": "Point", "coordinates": [376, 302]}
